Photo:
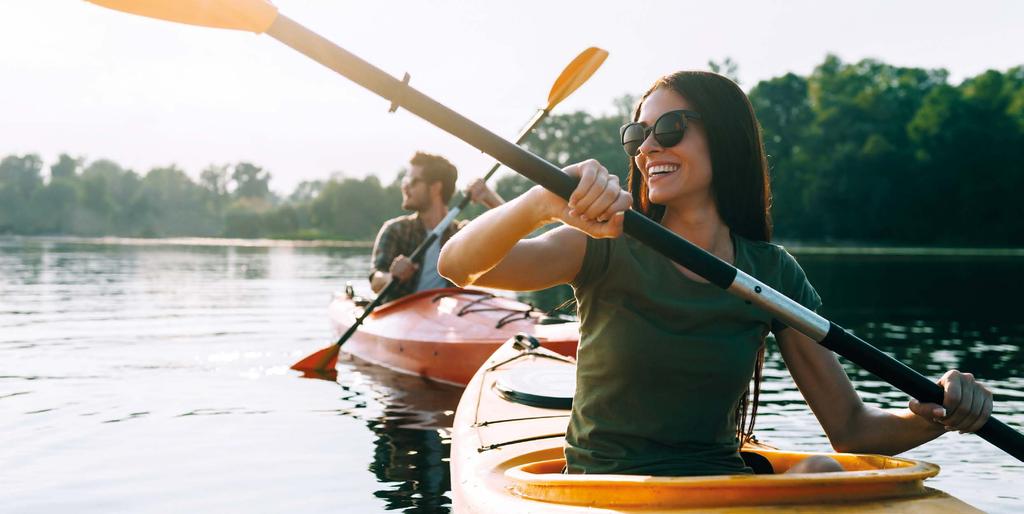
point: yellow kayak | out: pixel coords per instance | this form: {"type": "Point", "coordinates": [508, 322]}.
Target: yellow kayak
{"type": "Point", "coordinates": [506, 457]}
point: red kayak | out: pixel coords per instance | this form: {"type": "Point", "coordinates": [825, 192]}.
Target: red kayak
{"type": "Point", "coordinates": [445, 334]}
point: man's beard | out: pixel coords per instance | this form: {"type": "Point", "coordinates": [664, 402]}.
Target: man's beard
{"type": "Point", "coordinates": [410, 204]}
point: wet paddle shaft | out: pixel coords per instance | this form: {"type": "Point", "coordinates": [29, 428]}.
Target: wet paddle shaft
{"type": "Point", "coordinates": [260, 16]}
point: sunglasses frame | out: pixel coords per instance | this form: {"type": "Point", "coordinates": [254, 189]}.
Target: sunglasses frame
{"type": "Point", "coordinates": [683, 113]}
{"type": "Point", "coordinates": [413, 181]}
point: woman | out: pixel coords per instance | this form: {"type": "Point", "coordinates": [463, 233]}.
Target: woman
{"type": "Point", "coordinates": [665, 359]}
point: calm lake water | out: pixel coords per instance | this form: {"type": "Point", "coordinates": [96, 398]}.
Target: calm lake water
{"type": "Point", "coordinates": [151, 377]}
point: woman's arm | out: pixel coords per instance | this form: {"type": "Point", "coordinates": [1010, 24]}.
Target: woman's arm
{"type": "Point", "coordinates": [852, 426]}
{"type": "Point", "coordinates": [491, 251]}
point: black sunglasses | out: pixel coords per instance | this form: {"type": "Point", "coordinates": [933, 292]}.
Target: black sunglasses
{"type": "Point", "coordinates": [668, 131]}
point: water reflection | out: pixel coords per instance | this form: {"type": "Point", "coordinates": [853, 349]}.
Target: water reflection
{"type": "Point", "coordinates": [865, 289]}
{"type": "Point", "coordinates": [410, 418]}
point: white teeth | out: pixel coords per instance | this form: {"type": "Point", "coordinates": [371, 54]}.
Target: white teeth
{"type": "Point", "coordinates": [662, 168]}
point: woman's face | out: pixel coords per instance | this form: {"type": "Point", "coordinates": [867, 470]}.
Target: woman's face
{"type": "Point", "coordinates": [679, 175]}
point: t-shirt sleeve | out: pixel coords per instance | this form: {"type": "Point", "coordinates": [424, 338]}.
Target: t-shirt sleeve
{"type": "Point", "coordinates": [794, 284]}
{"type": "Point", "coordinates": [595, 261]}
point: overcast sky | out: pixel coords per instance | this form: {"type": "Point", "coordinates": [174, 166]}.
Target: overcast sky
{"type": "Point", "coordinates": [95, 83]}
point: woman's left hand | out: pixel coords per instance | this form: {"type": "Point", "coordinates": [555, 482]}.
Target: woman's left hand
{"type": "Point", "coordinates": [966, 404]}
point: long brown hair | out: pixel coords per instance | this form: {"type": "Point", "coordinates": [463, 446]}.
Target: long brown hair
{"type": "Point", "coordinates": [739, 169]}
{"type": "Point", "coordinates": [739, 180]}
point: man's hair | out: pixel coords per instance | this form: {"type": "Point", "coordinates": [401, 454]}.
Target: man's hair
{"type": "Point", "coordinates": [437, 169]}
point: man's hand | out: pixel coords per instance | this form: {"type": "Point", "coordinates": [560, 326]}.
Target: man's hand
{"type": "Point", "coordinates": [403, 268]}
{"type": "Point", "coordinates": [483, 195]}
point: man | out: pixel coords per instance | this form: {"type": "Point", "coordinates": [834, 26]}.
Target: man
{"type": "Point", "coordinates": [426, 190]}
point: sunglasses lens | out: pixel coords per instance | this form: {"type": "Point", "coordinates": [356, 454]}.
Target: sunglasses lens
{"type": "Point", "coordinates": [669, 129]}
{"type": "Point", "coordinates": [632, 137]}
{"type": "Point", "coordinates": [668, 132]}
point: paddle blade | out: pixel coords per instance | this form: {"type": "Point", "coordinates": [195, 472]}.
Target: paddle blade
{"type": "Point", "coordinates": [329, 375]}
{"type": "Point", "coordinates": [250, 15]}
{"type": "Point", "coordinates": [575, 74]}
{"type": "Point", "coordinates": [321, 361]}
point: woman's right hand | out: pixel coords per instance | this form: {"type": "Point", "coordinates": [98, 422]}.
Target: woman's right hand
{"type": "Point", "coordinates": [598, 204]}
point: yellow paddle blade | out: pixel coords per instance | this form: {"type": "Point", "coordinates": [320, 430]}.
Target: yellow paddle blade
{"type": "Point", "coordinates": [250, 15]}
{"type": "Point", "coordinates": [575, 74]}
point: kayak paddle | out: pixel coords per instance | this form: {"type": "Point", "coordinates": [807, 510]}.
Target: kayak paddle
{"type": "Point", "coordinates": [261, 16]}
{"type": "Point", "coordinates": [572, 77]}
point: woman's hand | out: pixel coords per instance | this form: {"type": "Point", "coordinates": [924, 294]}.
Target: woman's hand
{"type": "Point", "coordinates": [966, 404]}
{"type": "Point", "coordinates": [597, 205]}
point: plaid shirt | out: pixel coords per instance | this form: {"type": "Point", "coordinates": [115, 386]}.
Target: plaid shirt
{"type": "Point", "coordinates": [401, 236]}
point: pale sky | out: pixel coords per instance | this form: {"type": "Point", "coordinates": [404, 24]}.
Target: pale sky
{"type": "Point", "coordinates": [96, 83]}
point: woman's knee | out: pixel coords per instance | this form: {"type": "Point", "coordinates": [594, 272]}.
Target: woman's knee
{"type": "Point", "coordinates": [816, 464]}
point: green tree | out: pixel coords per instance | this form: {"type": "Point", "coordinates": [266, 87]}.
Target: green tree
{"type": "Point", "coordinates": [565, 139]}
{"type": "Point", "coordinates": [170, 204]}
{"type": "Point", "coordinates": [354, 209]}
{"type": "Point", "coordinates": [65, 167]}
{"type": "Point", "coordinates": [20, 178]}
{"type": "Point", "coordinates": [246, 217]}
{"type": "Point", "coordinates": [250, 181]}
{"type": "Point", "coordinates": [55, 205]}
{"type": "Point", "coordinates": [107, 195]}
{"type": "Point", "coordinates": [784, 109]}
{"type": "Point", "coordinates": [215, 179]}
{"type": "Point", "coordinates": [727, 67]}
{"type": "Point", "coordinates": [968, 146]}
{"type": "Point", "coordinates": [306, 191]}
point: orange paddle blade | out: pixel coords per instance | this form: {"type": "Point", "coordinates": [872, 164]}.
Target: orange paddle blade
{"type": "Point", "coordinates": [575, 74]}
{"type": "Point", "coordinates": [323, 360]}
{"type": "Point", "coordinates": [251, 15]}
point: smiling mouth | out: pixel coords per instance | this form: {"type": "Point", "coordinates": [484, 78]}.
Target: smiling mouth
{"type": "Point", "coordinates": [662, 169]}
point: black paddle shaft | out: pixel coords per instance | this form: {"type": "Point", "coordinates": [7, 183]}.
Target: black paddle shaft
{"type": "Point", "coordinates": [392, 283]}
{"type": "Point", "coordinates": [636, 225]}
{"type": "Point", "coordinates": [905, 379]}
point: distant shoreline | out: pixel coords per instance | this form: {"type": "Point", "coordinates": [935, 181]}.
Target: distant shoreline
{"type": "Point", "coordinates": [797, 248]}
{"type": "Point", "coordinates": [195, 241]}
{"type": "Point", "coordinates": [900, 251]}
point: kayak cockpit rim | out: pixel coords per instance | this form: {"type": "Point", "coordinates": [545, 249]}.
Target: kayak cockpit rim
{"type": "Point", "coordinates": [867, 478]}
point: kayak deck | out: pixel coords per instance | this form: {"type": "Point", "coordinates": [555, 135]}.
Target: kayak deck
{"type": "Point", "coordinates": [507, 457]}
{"type": "Point", "coordinates": [444, 334]}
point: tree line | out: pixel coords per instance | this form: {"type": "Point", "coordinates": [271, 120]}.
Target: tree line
{"type": "Point", "coordinates": [102, 198]}
{"type": "Point", "coordinates": [862, 152]}
{"type": "Point", "coordinates": [865, 152]}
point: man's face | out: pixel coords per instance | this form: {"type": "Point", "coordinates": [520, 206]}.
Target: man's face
{"type": "Point", "coordinates": [415, 190]}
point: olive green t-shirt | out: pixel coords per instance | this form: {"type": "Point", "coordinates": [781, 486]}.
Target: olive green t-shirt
{"type": "Point", "coordinates": [664, 360]}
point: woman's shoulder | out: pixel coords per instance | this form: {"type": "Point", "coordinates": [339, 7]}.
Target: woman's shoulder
{"type": "Point", "coordinates": [773, 265]}
{"type": "Point", "coordinates": [762, 251]}
{"type": "Point", "coordinates": [763, 258]}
